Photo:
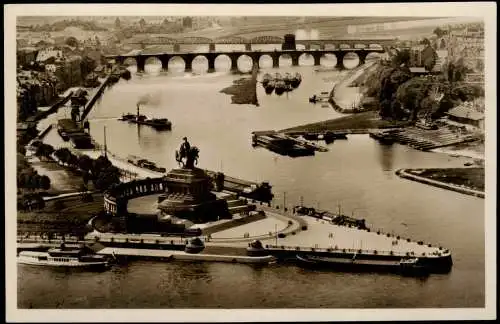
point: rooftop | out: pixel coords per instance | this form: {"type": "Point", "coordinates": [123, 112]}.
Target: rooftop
{"type": "Point", "coordinates": [465, 111]}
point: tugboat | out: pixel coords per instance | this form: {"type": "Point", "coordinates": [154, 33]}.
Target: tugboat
{"type": "Point", "coordinates": [296, 80]}
{"type": "Point", "coordinates": [64, 257]}
{"type": "Point", "coordinates": [336, 219]}
{"type": "Point", "coordinates": [157, 123]}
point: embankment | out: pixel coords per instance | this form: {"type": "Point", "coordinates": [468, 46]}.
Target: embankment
{"type": "Point", "coordinates": [346, 98]}
{"type": "Point", "coordinates": [469, 181]}
{"type": "Point", "coordinates": [361, 121]}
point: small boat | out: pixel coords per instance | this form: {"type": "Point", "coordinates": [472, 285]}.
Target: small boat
{"type": "Point", "coordinates": [296, 80]}
{"type": "Point", "coordinates": [63, 135]}
{"type": "Point", "coordinates": [146, 164]}
{"type": "Point", "coordinates": [287, 78]}
{"type": "Point", "coordinates": [63, 256]}
{"type": "Point", "coordinates": [280, 87]}
{"type": "Point", "coordinates": [265, 79]}
{"type": "Point", "coordinates": [194, 245]}
{"type": "Point", "coordinates": [313, 99]}
{"type": "Point", "coordinates": [269, 87]}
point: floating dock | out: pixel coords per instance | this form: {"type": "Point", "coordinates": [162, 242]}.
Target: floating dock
{"type": "Point", "coordinates": [146, 254]}
{"type": "Point", "coordinates": [284, 144]}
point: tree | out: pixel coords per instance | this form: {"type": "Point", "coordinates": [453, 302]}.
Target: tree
{"type": "Point", "coordinates": [439, 32]}
{"type": "Point", "coordinates": [107, 177]}
{"type": "Point", "coordinates": [401, 57]}
{"type": "Point", "coordinates": [455, 71]}
{"type": "Point", "coordinates": [71, 41]}
{"type": "Point", "coordinates": [411, 93]}
{"type": "Point", "coordinates": [45, 182]}
{"type": "Point", "coordinates": [63, 154]}
{"type": "Point", "coordinates": [85, 163]}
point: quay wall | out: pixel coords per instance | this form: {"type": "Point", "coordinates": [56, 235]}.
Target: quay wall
{"type": "Point", "coordinates": [405, 175]}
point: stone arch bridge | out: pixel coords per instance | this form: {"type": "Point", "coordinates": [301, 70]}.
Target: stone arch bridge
{"type": "Point", "coordinates": [141, 57]}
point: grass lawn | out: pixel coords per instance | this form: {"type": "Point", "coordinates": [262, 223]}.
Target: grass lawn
{"type": "Point", "coordinates": [472, 178]}
{"type": "Point", "coordinates": [70, 217]}
{"type": "Point", "coordinates": [363, 120]}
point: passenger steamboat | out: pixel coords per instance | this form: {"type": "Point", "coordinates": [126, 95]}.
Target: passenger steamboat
{"type": "Point", "coordinates": [64, 257]}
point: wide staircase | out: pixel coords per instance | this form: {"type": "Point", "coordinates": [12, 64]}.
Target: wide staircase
{"type": "Point", "coordinates": [237, 205]}
{"type": "Point", "coordinates": [424, 140]}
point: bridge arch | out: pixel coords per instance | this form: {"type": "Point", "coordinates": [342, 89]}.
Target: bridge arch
{"type": "Point", "coordinates": [200, 64]}
{"type": "Point", "coordinates": [222, 63]}
{"type": "Point", "coordinates": [375, 46]}
{"type": "Point", "coordinates": [129, 61]}
{"type": "Point", "coordinates": [152, 65]}
{"type": "Point", "coordinates": [351, 60]}
{"type": "Point", "coordinates": [306, 59]}
{"type": "Point", "coordinates": [196, 40]}
{"type": "Point", "coordinates": [265, 61]}
{"type": "Point", "coordinates": [285, 60]}
{"type": "Point", "coordinates": [267, 40]}
{"type": "Point", "coordinates": [245, 63]}
{"type": "Point", "coordinates": [231, 40]}
{"type": "Point", "coordinates": [176, 64]}
{"type": "Point", "coordinates": [329, 60]}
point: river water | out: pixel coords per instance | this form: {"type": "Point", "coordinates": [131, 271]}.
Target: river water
{"type": "Point", "coordinates": [357, 173]}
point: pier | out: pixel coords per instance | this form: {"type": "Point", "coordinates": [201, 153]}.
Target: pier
{"type": "Point", "coordinates": [90, 104]}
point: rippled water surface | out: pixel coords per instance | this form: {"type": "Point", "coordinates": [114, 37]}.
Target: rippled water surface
{"type": "Point", "coordinates": [357, 173]}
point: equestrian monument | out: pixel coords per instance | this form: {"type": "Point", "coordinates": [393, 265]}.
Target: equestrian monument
{"type": "Point", "coordinates": [188, 194]}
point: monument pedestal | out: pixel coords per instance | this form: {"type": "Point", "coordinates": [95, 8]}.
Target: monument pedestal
{"type": "Point", "coordinates": [188, 196]}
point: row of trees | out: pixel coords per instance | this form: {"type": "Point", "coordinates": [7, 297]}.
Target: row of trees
{"type": "Point", "coordinates": [28, 178]}
{"type": "Point", "coordinates": [403, 96]}
{"type": "Point", "coordinates": [99, 171]}
{"type": "Point", "coordinates": [63, 24]}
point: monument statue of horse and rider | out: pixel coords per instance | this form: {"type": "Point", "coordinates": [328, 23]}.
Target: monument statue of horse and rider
{"type": "Point", "coordinates": [187, 155]}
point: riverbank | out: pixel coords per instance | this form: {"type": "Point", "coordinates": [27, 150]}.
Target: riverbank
{"type": "Point", "coordinates": [243, 91]}
{"type": "Point", "coordinates": [361, 121]}
{"type": "Point", "coordinates": [346, 96]}
{"type": "Point", "coordinates": [468, 181]}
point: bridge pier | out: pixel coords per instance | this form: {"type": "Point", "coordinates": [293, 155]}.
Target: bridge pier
{"type": "Point", "coordinates": [188, 60]}
{"type": "Point", "coordinates": [340, 61]}
{"type": "Point", "coordinates": [362, 57]}
{"type": "Point", "coordinates": [141, 63]}
{"type": "Point", "coordinates": [295, 59]}
{"type": "Point", "coordinates": [164, 62]}
{"type": "Point", "coordinates": [234, 63]}
{"type": "Point", "coordinates": [317, 58]}
{"type": "Point", "coordinates": [211, 64]}
{"type": "Point", "coordinates": [276, 60]}
{"type": "Point", "coordinates": [211, 47]}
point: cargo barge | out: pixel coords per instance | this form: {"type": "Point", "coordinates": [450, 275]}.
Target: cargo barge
{"type": "Point", "coordinates": [281, 145]}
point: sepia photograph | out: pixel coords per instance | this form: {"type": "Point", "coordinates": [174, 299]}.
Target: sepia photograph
{"type": "Point", "coordinates": [250, 162]}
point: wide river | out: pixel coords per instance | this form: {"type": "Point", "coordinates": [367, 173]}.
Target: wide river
{"type": "Point", "coordinates": [357, 173]}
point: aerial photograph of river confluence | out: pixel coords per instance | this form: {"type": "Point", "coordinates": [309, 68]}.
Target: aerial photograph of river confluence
{"type": "Point", "coordinates": [250, 161]}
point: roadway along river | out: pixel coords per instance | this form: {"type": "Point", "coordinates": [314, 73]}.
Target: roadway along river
{"type": "Point", "coordinates": [357, 173]}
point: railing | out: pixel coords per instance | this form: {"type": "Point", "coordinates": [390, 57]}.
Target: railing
{"type": "Point", "coordinates": [439, 253]}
